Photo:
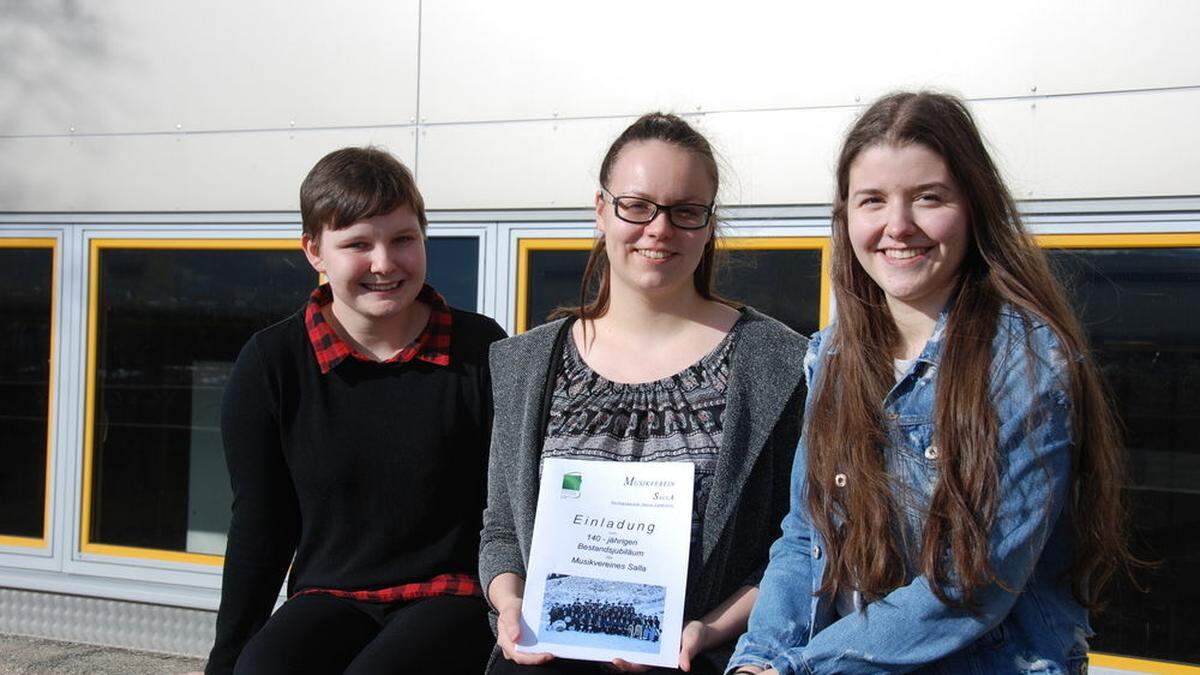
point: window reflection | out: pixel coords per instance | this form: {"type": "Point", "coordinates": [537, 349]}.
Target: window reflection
{"type": "Point", "coordinates": [452, 265]}
{"type": "Point", "coordinates": [1140, 308]}
{"type": "Point", "coordinates": [170, 324]}
{"type": "Point", "coordinates": [26, 287]}
{"type": "Point", "coordinates": [781, 283]}
{"type": "Point", "coordinates": [553, 281]}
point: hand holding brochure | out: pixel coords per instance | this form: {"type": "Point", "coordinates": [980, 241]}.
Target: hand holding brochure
{"type": "Point", "coordinates": [609, 559]}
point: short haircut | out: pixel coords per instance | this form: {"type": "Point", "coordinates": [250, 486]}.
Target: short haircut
{"type": "Point", "coordinates": [352, 184]}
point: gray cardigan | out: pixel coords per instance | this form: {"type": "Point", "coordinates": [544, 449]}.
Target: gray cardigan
{"type": "Point", "coordinates": [764, 405]}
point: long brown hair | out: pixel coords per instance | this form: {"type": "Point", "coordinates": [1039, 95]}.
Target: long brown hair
{"type": "Point", "coordinates": [845, 425]}
{"type": "Point", "coordinates": [668, 128]}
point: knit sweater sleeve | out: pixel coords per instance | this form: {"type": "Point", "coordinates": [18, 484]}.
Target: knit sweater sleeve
{"type": "Point", "coordinates": [499, 549]}
{"type": "Point", "coordinates": [265, 525]}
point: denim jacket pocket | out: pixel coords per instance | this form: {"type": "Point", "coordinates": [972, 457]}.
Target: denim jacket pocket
{"type": "Point", "coordinates": [913, 436]}
{"type": "Point", "coordinates": [913, 463]}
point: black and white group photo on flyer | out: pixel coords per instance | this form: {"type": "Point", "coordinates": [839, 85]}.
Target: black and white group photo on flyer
{"type": "Point", "coordinates": [603, 613]}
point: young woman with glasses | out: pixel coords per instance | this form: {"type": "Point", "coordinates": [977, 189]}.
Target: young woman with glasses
{"type": "Point", "coordinates": [956, 497]}
{"type": "Point", "coordinates": [686, 376]}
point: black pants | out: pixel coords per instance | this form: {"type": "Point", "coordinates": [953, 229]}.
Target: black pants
{"type": "Point", "coordinates": [322, 634]}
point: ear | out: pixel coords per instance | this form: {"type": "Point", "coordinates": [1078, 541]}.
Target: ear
{"type": "Point", "coordinates": [600, 210]}
{"type": "Point", "coordinates": [312, 251]}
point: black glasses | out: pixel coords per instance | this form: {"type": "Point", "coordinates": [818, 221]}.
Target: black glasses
{"type": "Point", "coordinates": [641, 211]}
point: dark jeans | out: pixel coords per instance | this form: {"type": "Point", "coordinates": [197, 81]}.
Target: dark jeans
{"type": "Point", "coordinates": [323, 634]}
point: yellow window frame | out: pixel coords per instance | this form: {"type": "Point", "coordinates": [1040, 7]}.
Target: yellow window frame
{"type": "Point", "coordinates": [1140, 665]}
{"type": "Point", "coordinates": [51, 243]}
{"type": "Point", "coordinates": [525, 246]}
{"type": "Point", "coordinates": [1129, 240]}
{"type": "Point", "coordinates": [86, 545]}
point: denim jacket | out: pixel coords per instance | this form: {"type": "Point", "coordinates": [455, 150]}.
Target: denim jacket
{"type": "Point", "coordinates": [1036, 626]}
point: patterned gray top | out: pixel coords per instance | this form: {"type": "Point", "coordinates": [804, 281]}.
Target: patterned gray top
{"type": "Point", "coordinates": [675, 419]}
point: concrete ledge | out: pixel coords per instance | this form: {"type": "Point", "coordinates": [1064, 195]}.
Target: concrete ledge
{"type": "Point", "coordinates": [37, 655]}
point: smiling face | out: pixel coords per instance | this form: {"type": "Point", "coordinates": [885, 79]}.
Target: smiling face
{"type": "Point", "coordinates": [908, 224]}
{"type": "Point", "coordinates": [375, 266]}
{"type": "Point", "coordinates": [656, 257]}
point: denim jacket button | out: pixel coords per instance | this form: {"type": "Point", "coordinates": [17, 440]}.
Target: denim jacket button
{"type": "Point", "coordinates": [816, 552]}
{"type": "Point", "coordinates": [891, 415]}
{"type": "Point", "coordinates": [931, 452]}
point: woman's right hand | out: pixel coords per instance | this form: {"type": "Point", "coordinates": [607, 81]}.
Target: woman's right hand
{"type": "Point", "coordinates": [508, 632]}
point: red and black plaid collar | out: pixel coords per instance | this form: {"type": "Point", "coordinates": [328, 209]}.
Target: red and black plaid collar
{"type": "Point", "coordinates": [432, 345]}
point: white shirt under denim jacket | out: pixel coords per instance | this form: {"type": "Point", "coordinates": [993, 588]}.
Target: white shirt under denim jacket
{"type": "Point", "coordinates": [1039, 627]}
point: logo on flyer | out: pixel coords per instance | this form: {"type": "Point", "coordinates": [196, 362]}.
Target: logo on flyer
{"type": "Point", "coordinates": [572, 483]}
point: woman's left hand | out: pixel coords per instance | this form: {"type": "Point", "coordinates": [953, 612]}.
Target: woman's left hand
{"type": "Point", "coordinates": [691, 643]}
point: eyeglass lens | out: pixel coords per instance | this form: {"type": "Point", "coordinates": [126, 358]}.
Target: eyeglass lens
{"type": "Point", "coordinates": [637, 210]}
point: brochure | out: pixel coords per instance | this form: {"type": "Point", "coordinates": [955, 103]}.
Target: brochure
{"type": "Point", "coordinates": [609, 559]}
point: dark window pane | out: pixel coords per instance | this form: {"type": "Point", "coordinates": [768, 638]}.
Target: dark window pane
{"type": "Point", "coordinates": [783, 283]}
{"type": "Point", "coordinates": [170, 325]}
{"type": "Point", "coordinates": [1140, 308]}
{"type": "Point", "coordinates": [452, 267]}
{"type": "Point", "coordinates": [25, 299]}
{"type": "Point", "coordinates": [554, 278]}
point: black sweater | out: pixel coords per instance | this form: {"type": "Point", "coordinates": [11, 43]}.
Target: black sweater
{"type": "Point", "coordinates": [372, 475]}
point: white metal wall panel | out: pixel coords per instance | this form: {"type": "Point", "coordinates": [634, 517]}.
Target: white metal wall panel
{"type": "Point", "coordinates": [131, 66]}
{"type": "Point", "coordinates": [768, 157]}
{"type": "Point", "coordinates": [778, 79]}
{"type": "Point", "coordinates": [1145, 144]}
{"type": "Point", "coordinates": [778, 157]}
{"type": "Point", "coordinates": [256, 171]}
{"type": "Point", "coordinates": [543, 59]}
{"type": "Point", "coordinates": [1115, 145]}
{"type": "Point", "coordinates": [789, 156]}
{"type": "Point", "coordinates": [1007, 127]}
{"type": "Point", "coordinates": [1109, 45]}
{"type": "Point", "coordinates": [514, 164]}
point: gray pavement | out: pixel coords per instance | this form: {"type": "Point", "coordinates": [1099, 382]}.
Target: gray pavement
{"type": "Point", "coordinates": [21, 655]}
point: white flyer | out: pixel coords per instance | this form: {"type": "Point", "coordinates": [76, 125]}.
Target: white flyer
{"type": "Point", "coordinates": [609, 559]}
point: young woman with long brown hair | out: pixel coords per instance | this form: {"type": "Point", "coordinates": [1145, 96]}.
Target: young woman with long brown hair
{"type": "Point", "coordinates": [956, 496]}
{"type": "Point", "coordinates": [653, 366]}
